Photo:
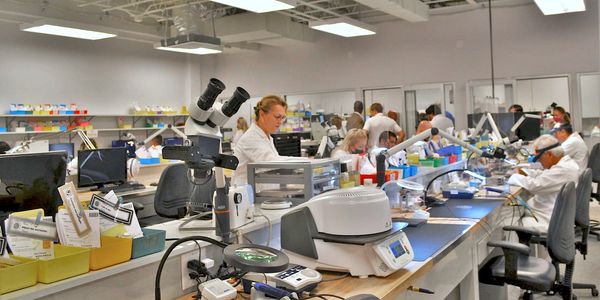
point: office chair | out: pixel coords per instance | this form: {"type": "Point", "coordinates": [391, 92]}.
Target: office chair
{"type": "Point", "coordinates": [594, 164]}
{"type": "Point", "coordinates": [173, 192]}
{"type": "Point", "coordinates": [582, 221]}
{"type": "Point", "coordinates": [517, 267]}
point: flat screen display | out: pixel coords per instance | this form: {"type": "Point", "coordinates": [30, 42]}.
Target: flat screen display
{"type": "Point", "coordinates": [101, 166]}
{"type": "Point", "coordinates": [68, 147]}
{"type": "Point", "coordinates": [397, 249]}
{"type": "Point", "coordinates": [30, 180]}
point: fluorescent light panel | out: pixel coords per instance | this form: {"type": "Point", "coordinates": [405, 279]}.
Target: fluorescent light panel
{"type": "Point", "coordinates": [68, 29]}
{"type": "Point", "coordinates": [554, 7]}
{"type": "Point", "coordinates": [259, 6]}
{"type": "Point", "coordinates": [345, 27]}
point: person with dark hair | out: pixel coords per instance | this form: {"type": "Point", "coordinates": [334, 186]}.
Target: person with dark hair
{"type": "Point", "coordinates": [356, 120]}
{"type": "Point", "coordinates": [379, 123]}
{"type": "Point", "coordinates": [515, 108]}
{"type": "Point", "coordinates": [4, 147]}
{"type": "Point", "coordinates": [437, 119]}
{"type": "Point", "coordinates": [387, 139]}
{"type": "Point", "coordinates": [573, 145]}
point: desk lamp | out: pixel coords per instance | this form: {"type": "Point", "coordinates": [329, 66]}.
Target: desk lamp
{"type": "Point", "coordinates": [24, 146]}
{"type": "Point", "coordinates": [487, 117]}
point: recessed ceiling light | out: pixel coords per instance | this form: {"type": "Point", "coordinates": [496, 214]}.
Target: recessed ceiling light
{"type": "Point", "coordinates": [554, 7]}
{"type": "Point", "coordinates": [69, 29]}
{"type": "Point", "coordinates": [345, 27]}
{"type": "Point", "coordinates": [259, 6]}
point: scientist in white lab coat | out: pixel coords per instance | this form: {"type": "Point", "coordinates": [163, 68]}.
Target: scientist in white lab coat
{"type": "Point", "coordinates": [545, 184]}
{"type": "Point", "coordinates": [573, 145]}
{"type": "Point", "coordinates": [256, 144]}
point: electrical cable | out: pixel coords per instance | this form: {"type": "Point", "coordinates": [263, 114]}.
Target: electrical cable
{"type": "Point", "coordinates": [163, 260]}
{"type": "Point", "coordinates": [270, 228]}
{"type": "Point", "coordinates": [310, 296]}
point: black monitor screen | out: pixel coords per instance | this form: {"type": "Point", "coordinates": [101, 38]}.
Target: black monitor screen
{"type": "Point", "coordinates": [30, 180]}
{"type": "Point", "coordinates": [68, 147]}
{"type": "Point", "coordinates": [129, 145]}
{"type": "Point", "coordinates": [530, 129]}
{"type": "Point", "coordinates": [101, 166]}
{"type": "Point", "coordinates": [505, 121]}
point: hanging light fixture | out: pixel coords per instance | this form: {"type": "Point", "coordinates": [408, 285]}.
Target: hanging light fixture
{"type": "Point", "coordinates": [554, 7]}
{"type": "Point", "coordinates": [259, 6]}
{"type": "Point", "coordinates": [191, 43]}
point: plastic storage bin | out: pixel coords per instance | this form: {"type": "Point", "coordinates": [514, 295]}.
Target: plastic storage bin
{"type": "Point", "coordinates": [20, 276]}
{"type": "Point", "coordinates": [153, 241]}
{"type": "Point", "coordinates": [114, 250]}
{"type": "Point", "coordinates": [67, 262]}
{"type": "Point", "coordinates": [426, 162]}
{"type": "Point", "coordinates": [149, 161]}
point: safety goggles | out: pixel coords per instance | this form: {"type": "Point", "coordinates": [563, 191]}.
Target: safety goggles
{"type": "Point", "coordinates": [541, 152]}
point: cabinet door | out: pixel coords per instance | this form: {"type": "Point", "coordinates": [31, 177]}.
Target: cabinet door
{"type": "Point", "coordinates": [589, 86]}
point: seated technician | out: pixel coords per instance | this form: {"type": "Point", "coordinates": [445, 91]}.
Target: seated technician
{"type": "Point", "coordinates": [355, 142]}
{"type": "Point", "coordinates": [545, 184]}
{"type": "Point", "coordinates": [4, 147]}
{"type": "Point", "coordinates": [573, 145]}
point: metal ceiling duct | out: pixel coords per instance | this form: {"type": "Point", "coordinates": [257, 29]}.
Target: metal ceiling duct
{"type": "Point", "coordinates": [409, 10]}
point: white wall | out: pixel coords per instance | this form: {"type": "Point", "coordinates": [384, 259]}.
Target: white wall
{"type": "Point", "coordinates": [106, 76]}
{"type": "Point", "coordinates": [447, 48]}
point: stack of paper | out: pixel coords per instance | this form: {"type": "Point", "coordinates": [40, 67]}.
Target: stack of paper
{"type": "Point", "coordinates": [68, 235]}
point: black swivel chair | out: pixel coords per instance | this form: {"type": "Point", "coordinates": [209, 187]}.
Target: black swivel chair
{"type": "Point", "coordinates": [173, 192]}
{"type": "Point", "coordinates": [594, 164]}
{"type": "Point", "coordinates": [517, 267]}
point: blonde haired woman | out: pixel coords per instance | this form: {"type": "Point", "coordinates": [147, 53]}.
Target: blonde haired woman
{"type": "Point", "coordinates": [355, 142]}
{"type": "Point", "coordinates": [241, 128]}
{"type": "Point", "coordinates": [256, 144]}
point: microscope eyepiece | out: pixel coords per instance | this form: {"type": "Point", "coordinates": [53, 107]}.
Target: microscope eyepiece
{"type": "Point", "coordinates": [207, 99]}
{"type": "Point", "coordinates": [232, 105]}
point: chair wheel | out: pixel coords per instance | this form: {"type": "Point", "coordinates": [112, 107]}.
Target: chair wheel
{"type": "Point", "coordinates": [595, 292]}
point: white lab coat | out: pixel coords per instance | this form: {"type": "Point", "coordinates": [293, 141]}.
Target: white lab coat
{"type": "Point", "coordinates": [255, 146]}
{"type": "Point", "coordinates": [378, 124]}
{"type": "Point", "coordinates": [442, 122]}
{"type": "Point", "coordinates": [575, 147]}
{"type": "Point", "coordinates": [545, 185]}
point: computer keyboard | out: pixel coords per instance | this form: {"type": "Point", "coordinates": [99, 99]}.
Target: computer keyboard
{"type": "Point", "coordinates": [125, 187]}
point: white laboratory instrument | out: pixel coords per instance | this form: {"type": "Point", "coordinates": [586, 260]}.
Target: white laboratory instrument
{"type": "Point", "coordinates": [241, 205]}
{"type": "Point", "coordinates": [217, 289]}
{"type": "Point", "coordinates": [347, 230]}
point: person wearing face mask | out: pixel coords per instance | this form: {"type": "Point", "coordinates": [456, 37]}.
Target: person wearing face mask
{"type": "Point", "coordinates": [573, 145]}
{"type": "Point", "coordinates": [355, 142]}
{"type": "Point", "coordinates": [558, 169]}
{"type": "Point", "coordinates": [256, 144]}
{"type": "Point", "coordinates": [560, 116]}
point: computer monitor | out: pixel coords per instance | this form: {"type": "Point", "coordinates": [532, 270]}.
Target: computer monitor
{"type": "Point", "coordinates": [505, 122]}
{"type": "Point", "coordinates": [130, 146]}
{"type": "Point", "coordinates": [67, 147]}
{"type": "Point", "coordinates": [101, 166]}
{"type": "Point", "coordinates": [30, 180]}
{"type": "Point", "coordinates": [530, 129]}
{"type": "Point", "coordinates": [173, 141]}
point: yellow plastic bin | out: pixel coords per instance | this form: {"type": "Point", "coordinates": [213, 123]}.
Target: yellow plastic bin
{"type": "Point", "coordinates": [20, 276]}
{"type": "Point", "coordinates": [67, 262]}
{"type": "Point", "coordinates": [114, 250]}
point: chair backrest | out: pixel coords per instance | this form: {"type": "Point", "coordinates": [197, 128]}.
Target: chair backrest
{"type": "Point", "coordinates": [594, 162]}
{"type": "Point", "coordinates": [173, 192]}
{"type": "Point", "coordinates": [561, 233]}
{"type": "Point", "coordinates": [584, 189]}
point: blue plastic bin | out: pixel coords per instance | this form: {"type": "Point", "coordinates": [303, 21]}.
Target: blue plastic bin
{"type": "Point", "coordinates": [153, 241]}
{"type": "Point", "coordinates": [446, 150]}
{"type": "Point", "coordinates": [149, 161]}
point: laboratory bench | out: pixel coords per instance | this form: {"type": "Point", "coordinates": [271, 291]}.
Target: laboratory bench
{"type": "Point", "coordinates": [449, 270]}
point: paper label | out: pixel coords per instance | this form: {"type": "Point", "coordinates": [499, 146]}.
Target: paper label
{"type": "Point", "coordinates": [68, 235]}
{"type": "Point", "coordinates": [32, 228]}
{"type": "Point", "coordinates": [92, 133]}
{"type": "Point", "coordinates": [107, 210]}
{"type": "Point", "coordinates": [74, 208]}
{"type": "Point", "coordinates": [28, 247]}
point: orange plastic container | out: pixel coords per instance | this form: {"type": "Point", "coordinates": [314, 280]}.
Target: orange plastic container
{"type": "Point", "coordinates": [114, 250]}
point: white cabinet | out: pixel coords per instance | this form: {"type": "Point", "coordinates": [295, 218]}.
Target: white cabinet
{"type": "Point", "coordinates": [537, 94]}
